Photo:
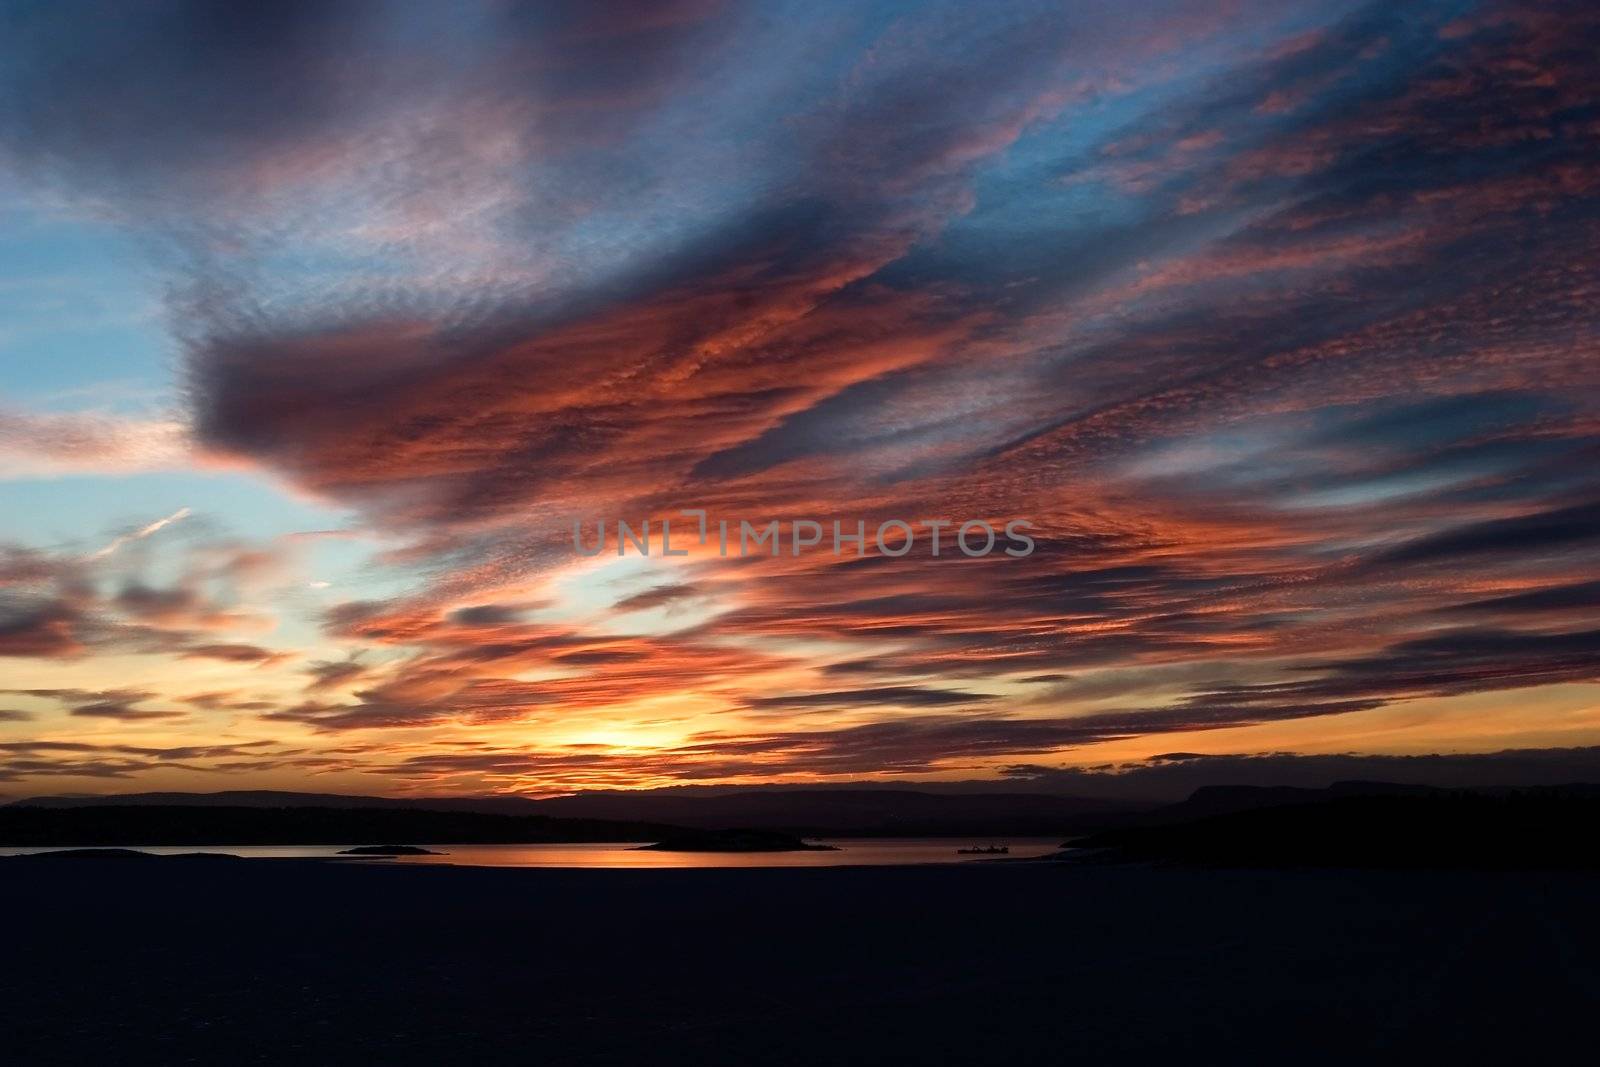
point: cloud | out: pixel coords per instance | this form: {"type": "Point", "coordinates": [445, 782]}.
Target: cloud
{"type": "Point", "coordinates": [330, 674]}
{"type": "Point", "coordinates": [660, 596]}
{"type": "Point", "coordinates": [119, 704]}
{"type": "Point", "coordinates": [1578, 596]}
{"type": "Point", "coordinates": [1554, 529]}
{"type": "Point", "coordinates": [36, 628]}
{"type": "Point", "coordinates": [48, 445]}
{"type": "Point", "coordinates": [68, 605]}
{"type": "Point", "coordinates": [234, 653]}
{"type": "Point", "coordinates": [44, 759]}
{"type": "Point", "coordinates": [1276, 321]}
{"type": "Point", "coordinates": [891, 696]}
{"type": "Point", "coordinates": [490, 614]}
{"type": "Point", "coordinates": [140, 534]}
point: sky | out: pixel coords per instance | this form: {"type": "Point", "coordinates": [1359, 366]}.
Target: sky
{"type": "Point", "coordinates": [322, 324]}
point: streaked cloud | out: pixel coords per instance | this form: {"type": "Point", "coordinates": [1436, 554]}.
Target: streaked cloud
{"type": "Point", "coordinates": [138, 535]}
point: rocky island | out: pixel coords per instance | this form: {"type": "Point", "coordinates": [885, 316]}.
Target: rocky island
{"type": "Point", "coordinates": [389, 850]}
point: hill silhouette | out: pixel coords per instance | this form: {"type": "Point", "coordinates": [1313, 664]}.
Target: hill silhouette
{"type": "Point", "coordinates": [1372, 827]}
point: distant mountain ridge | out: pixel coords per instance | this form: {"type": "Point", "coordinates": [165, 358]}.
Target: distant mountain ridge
{"type": "Point", "coordinates": [219, 824]}
{"type": "Point", "coordinates": [274, 817]}
{"type": "Point", "coordinates": [811, 812]}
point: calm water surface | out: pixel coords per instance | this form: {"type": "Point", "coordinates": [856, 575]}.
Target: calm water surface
{"type": "Point", "coordinates": [880, 851]}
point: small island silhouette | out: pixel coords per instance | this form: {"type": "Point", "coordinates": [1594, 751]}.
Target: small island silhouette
{"type": "Point", "coordinates": [389, 850]}
{"type": "Point", "coordinates": [734, 841]}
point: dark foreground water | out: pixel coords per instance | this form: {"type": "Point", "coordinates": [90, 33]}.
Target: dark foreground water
{"type": "Point", "coordinates": [300, 962]}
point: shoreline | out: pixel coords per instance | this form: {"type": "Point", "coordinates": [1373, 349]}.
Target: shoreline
{"type": "Point", "coordinates": [611, 855]}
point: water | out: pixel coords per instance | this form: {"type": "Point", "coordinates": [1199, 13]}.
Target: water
{"type": "Point", "coordinates": [875, 852]}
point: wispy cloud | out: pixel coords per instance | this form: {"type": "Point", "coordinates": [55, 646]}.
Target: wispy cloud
{"type": "Point", "coordinates": [140, 534]}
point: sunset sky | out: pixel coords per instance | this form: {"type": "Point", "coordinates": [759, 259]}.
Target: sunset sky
{"type": "Point", "coordinates": [320, 323]}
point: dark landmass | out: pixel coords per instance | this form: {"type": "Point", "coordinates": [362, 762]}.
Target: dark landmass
{"type": "Point", "coordinates": [733, 841]}
{"type": "Point", "coordinates": [289, 962]}
{"type": "Point", "coordinates": [1223, 799]}
{"type": "Point", "coordinates": [1371, 827]}
{"type": "Point", "coordinates": [95, 854]}
{"type": "Point", "coordinates": [389, 850]}
{"type": "Point", "coordinates": [807, 812]}
{"type": "Point", "coordinates": [165, 825]}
